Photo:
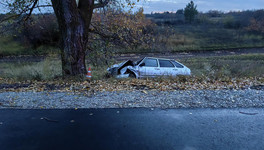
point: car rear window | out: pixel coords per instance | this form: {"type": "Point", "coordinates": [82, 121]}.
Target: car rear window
{"type": "Point", "coordinates": [151, 63]}
{"type": "Point", "coordinates": [177, 64]}
{"type": "Point", "coordinates": [165, 63]}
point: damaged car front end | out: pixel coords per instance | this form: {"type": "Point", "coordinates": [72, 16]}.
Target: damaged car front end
{"type": "Point", "coordinates": [123, 70]}
{"type": "Point", "coordinates": [148, 67]}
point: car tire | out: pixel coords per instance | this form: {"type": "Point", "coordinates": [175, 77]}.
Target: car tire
{"type": "Point", "coordinates": [132, 75]}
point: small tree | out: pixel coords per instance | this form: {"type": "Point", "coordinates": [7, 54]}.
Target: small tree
{"type": "Point", "coordinates": [190, 12]}
{"type": "Point", "coordinates": [180, 12]}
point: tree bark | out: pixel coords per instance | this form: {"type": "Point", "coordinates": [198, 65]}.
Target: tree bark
{"type": "Point", "coordinates": [74, 21]}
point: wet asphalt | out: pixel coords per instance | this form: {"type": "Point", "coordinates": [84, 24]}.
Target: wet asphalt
{"type": "Point", "coordinates": [132, 129]}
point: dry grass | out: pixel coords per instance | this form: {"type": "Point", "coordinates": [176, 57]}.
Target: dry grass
{"type": "Point", "coordinates": [48, 69]}
{"type": "Point", "coordinates": [226, 67]}
{"type": "Point", "coordinates": [250, 65]}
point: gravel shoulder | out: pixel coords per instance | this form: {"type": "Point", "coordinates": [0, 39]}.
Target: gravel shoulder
{"type": "Point", "coordinates": [134, 99]}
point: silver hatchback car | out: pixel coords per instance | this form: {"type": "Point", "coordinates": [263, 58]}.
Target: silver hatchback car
{"type": "Point", "coordinates": [149, 67]}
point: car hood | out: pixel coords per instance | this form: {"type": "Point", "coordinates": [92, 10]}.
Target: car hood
{"type": "Point", "coordinates": [116, 68]}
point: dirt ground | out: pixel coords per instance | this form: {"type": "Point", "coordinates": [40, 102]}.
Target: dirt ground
{"type": "Point", "coordinates": [178, 55]}
{"type": "Point", "coordinates": [191, 54]}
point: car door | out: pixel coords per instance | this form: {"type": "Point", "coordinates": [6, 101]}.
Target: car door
{"type": "Point", "coordinates": [148, 67]}
{"type": "Point", "coordinates": [166, 68]}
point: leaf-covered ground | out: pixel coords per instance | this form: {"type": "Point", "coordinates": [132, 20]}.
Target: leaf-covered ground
{"type": "Point", "coordinates": [160, 84]}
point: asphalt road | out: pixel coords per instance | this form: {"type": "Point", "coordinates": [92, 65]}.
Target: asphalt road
{"type": "Point", "coordinates": [122, 129]}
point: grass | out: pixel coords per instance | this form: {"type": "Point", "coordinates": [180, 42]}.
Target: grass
{"type": "Point", "coordinates": [99, 73]}
{"type": "Point", "coordinates": [183, 38]}
{"type": "Point", "coordinates": [212, 37]}
{"type": "Point", "coordinates": [204, 37]}
{"type": "Point", "coordinates": [250, 65]}
{"type": "Point", "coordinates": [10, 47]}
{"type": "Point", "coordinates": [48, 69]}
{"type": "Point", "coordinates": [180, 38]}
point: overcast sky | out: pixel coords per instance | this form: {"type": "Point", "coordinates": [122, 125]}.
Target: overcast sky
{"type": "Point", "coordinates": [202, 5]}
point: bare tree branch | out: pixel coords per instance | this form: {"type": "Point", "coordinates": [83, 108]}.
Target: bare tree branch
{"type": "Point", "coordinates": [31, 9]}
{"type": "Point", "coordinates": [43, 6]}
{"type": "Point", "coordinates": [15, 15]}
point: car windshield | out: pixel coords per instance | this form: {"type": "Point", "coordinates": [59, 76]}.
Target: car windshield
{"type": "Point", "coordinates": [137, 62]}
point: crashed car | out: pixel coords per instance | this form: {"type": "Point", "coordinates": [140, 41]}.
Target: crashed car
{"type": "Point", "coordinates": [148, 67]}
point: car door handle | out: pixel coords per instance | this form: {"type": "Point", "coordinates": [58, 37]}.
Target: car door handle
{"type": "Point", "coordinates": [175, 69]}
{"type": "Point", "coordinates": [157, 69]}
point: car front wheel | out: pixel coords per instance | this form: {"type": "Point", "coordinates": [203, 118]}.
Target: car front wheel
{"type": "Point", "coordinates": [132, 75]}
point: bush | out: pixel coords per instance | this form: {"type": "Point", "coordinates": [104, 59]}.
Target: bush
{"type": "Point", "coordinates": [41, 30]}
{"type": "Point", "coordinates": [9, 47]}
{"type": "Point", "coordinates": [230, 23]}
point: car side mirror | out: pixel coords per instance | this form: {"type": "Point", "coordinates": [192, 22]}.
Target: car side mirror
{"type": "Point", "coordinates": [143, 64]}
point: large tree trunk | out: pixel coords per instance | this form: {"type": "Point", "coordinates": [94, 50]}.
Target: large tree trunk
{"type": "Point", "coordinates": [73, 23]}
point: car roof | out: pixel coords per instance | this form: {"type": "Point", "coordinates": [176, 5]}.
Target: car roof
{"type": "Point", "coordinates": [165, 59]}
{"type": "Point", "coordinates": [159, 58]}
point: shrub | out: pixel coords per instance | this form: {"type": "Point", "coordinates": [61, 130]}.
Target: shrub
{"type": "Point", "coordinates": [41, 30]}
{"type": "Point", "coordinates": [230, 23]}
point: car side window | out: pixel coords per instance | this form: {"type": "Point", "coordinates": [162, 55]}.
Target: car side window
{"type": "Point", "coordinates": [150, 63]}
{"type": "Point", "coordinates": [177, 64]}
{"type": "Point", "coordinates": [165, 63]}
